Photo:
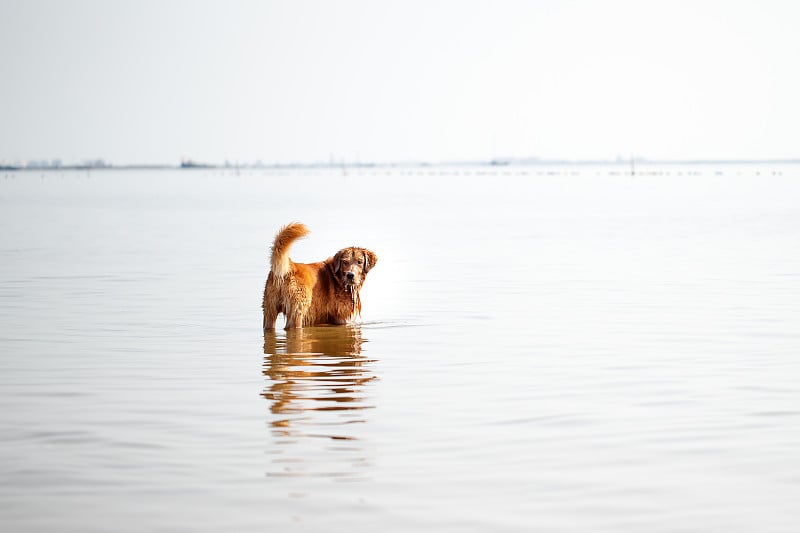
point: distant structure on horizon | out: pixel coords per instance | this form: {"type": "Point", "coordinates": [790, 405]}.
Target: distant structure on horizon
{"type": "Point", "coordinates": [54, 164]}
{"type": "Point", "coordinates": [189, 163]}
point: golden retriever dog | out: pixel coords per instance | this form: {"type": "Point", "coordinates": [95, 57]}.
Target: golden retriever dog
{"type": "Point", "coordinates": [312, 294]}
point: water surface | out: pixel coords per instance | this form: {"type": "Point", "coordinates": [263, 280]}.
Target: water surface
{"type": "Point", "coordinates": [541, 349]}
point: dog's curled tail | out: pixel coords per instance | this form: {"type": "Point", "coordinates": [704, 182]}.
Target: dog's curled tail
{"type": "Point", "coordinates": [280, 248]}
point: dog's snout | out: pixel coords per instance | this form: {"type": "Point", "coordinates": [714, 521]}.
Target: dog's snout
{"type": "Point", "coordinates": [350, 276]}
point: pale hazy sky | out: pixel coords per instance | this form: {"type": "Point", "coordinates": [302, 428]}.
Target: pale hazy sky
{"type": "Point", "coordinates": [155, 81]}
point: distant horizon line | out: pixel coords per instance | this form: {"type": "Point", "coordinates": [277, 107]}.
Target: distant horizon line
{"type": "Point", "coordinates": [101, 164]}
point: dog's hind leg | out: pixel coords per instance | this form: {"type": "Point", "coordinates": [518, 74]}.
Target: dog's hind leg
{"type": "Point", "coordinates": [270, 305]}
{"type": "Point", "coordinates": [295, 318]}
{"type": "Point", "coordinates": [270, 316]}
{"type": "Point", "coordinates": [298, 305]}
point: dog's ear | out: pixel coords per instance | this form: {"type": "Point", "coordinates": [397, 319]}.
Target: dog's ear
{"type": "Point", "coordinates": [369, 260]}
{"type": "Point", "coordinates": [337, 262]}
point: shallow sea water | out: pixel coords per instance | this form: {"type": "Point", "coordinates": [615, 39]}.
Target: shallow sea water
{"type": "Point", "coordinates": [565, 348]}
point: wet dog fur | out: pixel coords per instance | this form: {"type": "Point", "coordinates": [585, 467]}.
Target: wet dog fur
{"type": "Point", "coordinates": [327, 292]}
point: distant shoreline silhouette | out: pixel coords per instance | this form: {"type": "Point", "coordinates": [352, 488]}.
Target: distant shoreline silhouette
{"type": "Point", "coordinates": [188, 164]}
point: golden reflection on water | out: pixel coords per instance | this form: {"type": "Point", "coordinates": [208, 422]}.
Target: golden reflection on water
{"type": "Point", "coordinates": [317, 384]}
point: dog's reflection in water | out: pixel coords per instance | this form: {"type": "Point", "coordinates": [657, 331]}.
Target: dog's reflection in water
{"type": "Point", "coordinates": [317, 386]}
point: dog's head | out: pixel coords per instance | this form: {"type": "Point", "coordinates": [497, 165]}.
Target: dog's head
{"type": "Point", "coordinates": [350, 265]}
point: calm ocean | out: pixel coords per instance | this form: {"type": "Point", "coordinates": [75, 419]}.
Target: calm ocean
{"type": "Point", "coordinates": [563, 348]}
